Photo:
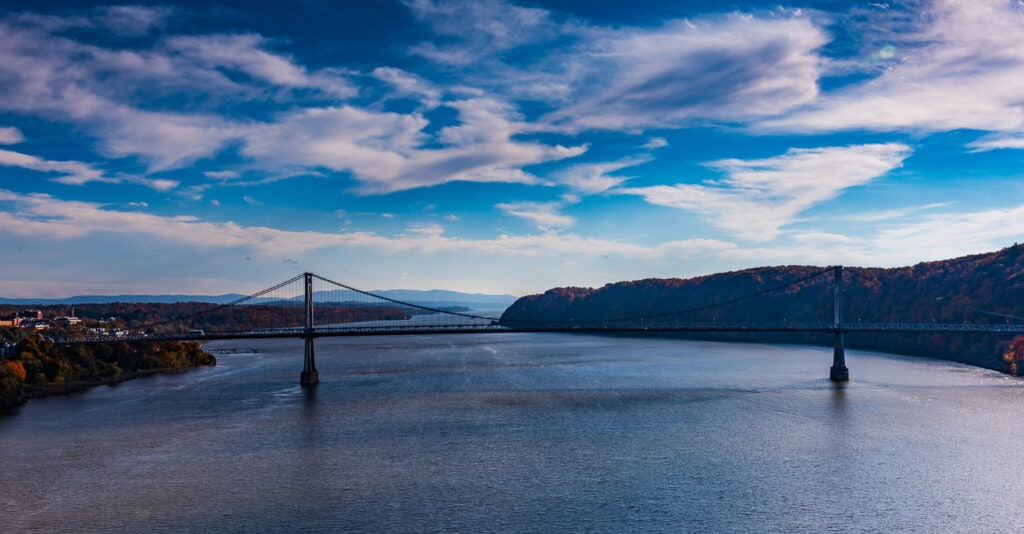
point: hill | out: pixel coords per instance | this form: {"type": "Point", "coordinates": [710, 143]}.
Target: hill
{"type": "Point", "coordinates": [982, 288]}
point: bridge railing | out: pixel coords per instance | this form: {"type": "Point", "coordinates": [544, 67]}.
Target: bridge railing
{"type": "Point", "coordinates": [497, 327]}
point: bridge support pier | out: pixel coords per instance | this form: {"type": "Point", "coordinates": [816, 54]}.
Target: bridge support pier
{"type": "Point", "coordinates": [310, 376]}
{"type": "Point", "coordinates": [839, 371]}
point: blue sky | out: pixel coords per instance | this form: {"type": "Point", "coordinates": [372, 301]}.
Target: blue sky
{"type": "Point", "coordinates": [499, 147]}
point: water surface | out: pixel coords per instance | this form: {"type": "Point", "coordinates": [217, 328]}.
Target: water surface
{"type": "Point", "coordinates": [524, 432]}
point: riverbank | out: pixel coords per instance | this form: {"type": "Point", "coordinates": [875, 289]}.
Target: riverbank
{"type": "Point", "coordinates": [41, 370]}
{"type": "Point", "coordinates": [42, 391]}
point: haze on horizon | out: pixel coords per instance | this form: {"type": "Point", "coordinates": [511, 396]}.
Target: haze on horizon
{"type": "Point", "coordinates": [498, 147]}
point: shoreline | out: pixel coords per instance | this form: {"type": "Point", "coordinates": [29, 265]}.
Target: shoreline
{"type": "Point", "coordinates": [42, 391]}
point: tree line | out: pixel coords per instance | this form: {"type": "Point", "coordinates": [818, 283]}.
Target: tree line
{"type": "Point", "coordinates": [38, 367]}
{"type": "Point", "coordinates": [977, 289]}
{"type": "Point", "coordinates": [182, 316]}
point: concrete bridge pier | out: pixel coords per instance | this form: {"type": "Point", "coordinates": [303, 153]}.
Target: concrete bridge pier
{"type": "Point", "coordinates": [838, 372]}
{"type": "Point", "coordinates": [310, 376]}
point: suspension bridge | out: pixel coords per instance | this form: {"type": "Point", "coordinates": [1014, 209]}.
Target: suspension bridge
{"type": "Point", "coordinates": [308, 306]}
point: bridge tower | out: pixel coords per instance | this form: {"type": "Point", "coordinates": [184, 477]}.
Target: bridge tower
{"type": "Point", "coordinates": [839, 372]}
{"type": "Point", "coordinates": [310, 376]}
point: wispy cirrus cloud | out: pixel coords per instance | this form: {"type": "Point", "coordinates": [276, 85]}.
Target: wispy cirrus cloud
{"type": "Point", "coordinates": [943, 235]}
{"type": "Point", "coordinates": [385, 151]}
{"type": "Point", "coordinates": [405, 84]}
{"type": "Point", "coordinates": [955, 65]}
{"type": "Point", "coordinates": [594, 178]}
{"type": "Point", "coordinates": [731, 68]}
{"type": "Point", "coordinates": [45, 217]}
{"type": "Point", "coordinates": [98, 87]}
{"type": "Point", "coordinates": [132, 20]}
{"type": "Point", "coordinates": [724, 68]}
{"type": "Point", "coordinates": [247, 53]}
{"type": "Point", "coordinates": [478, 29]}
{"type": "Point", "coordinates": [71, 172]}
{"type": "Point", "coordinates": [546, 215]}
{"type": "Point", "coordinates": [54, 224]}
{"type": "Point", "coordinates": [78, 173]}
{"type": "Point", "coordinates": [758, 197]}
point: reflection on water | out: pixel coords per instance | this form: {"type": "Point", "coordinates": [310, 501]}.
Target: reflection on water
{"type": "Point", "coordinates": [524, 432]}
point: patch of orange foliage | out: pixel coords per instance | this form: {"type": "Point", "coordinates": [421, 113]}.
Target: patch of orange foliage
{"type": "Point", "coordinates": [18, 368]}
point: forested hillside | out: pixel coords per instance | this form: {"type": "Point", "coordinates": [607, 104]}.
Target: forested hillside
{"type": "Point", "coordinates": [983, 289]}
{"type": "Point", "coordinates": [37, 367]}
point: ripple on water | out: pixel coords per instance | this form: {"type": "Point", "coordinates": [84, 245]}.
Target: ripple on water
{"type": "Point", "coordinates": [525, 433]}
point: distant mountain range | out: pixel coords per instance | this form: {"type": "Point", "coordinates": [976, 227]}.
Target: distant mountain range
{"type": "Point", "coordinates": [432, 298]}
{"type": "Point", "coordinates": [107, 299]}
{"type": "Point", "coordinates": [440, 297]}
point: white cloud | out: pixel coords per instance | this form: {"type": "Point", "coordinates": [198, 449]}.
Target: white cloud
{"type": "Point", "coordinates": [166, 140]}
{"type": "Point", "coordinates": [943, 235]}
{"type": "Point", "coordinates": [935, 236]}
{"type": "Point", "coordinates": [544, 214]}
{"type": "Point", "coordinates": [428, 230]}
{"type": "Point", "coordinates": [407, 84]}
{"type": "Point", "coordinates": [99, 87]}
{"type": "Point", "coordinates": [54, 224]}
{"type": "Point", "coordinates": [893, 214]}
{"type": "Point", "coordinates": [246, 53]}
{"type": "Point", "coordinates": [656, 142]}
{"type": "Point", "coordinates": [221, 175]}
{"type": "Point", "coordinates": [725, 69]}
{"type": "Point", "coordinates": [71, 172]}
{"type": "Point", "coordinates": [758, 197]}
{"type": "Point", "coordinates": [10, 135]}
{"type": "Point", "coordinates": [44, 217]}
{"type": "Point", "coordinates": [482, 27]}
{"type": "Point", "coordinates": [720, 68]}
{"type": "Point", "coordinates": [78, 173]}
{"type": "Point", "coordinates": [593, 178]}
{"type": "Point", "coordinates": [962, 67]}
{"type": "Point", "coordinates": [998, 141]}
{"type": "Point", "coordinates": [160, 184]}
{"type": "Point", "coordinates": [384, 151]}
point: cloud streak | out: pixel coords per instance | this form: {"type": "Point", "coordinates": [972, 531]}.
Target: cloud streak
{"type": "Point", "coordinates": [732, 68]}
{"type": "Point", "coordinates": [962, 67]}
{"type": "Point", "coordinates": [759, 197]}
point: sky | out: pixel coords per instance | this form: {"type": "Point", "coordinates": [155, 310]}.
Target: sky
{"type": "Point", "coordinates": [502, 147]}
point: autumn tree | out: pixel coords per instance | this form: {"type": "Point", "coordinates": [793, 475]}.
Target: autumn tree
{"type": "Point", "coordinates": [12, 392]}
{"type": "Point", "coordinates": [1015, 354]}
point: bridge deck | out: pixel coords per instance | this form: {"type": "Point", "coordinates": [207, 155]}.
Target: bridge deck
{"type": "Point", "coordinates": [390, 330]}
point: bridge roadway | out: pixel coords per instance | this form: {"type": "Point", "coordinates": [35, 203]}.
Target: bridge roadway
{"type": "Point", "coordinates": [494, 327]}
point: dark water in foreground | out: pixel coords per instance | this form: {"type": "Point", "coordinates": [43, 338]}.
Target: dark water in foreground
{"type": "Point", "coordinates": [525, 432]}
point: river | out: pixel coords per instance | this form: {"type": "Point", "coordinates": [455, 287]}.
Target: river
{"type": "Point", "coordinates": [524, 433]}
